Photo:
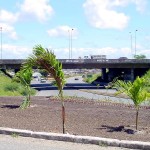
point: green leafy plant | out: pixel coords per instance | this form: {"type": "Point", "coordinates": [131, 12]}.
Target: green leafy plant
{"type": "Point", "coordinates": [90, 78]}
{"type": "Point", "coordinates": [24, 91]}
{"type": "Point", "coordinates": [24, 77]}
{"type": "Point", "coordinates": [147, 78]}
{"type": "Point", "coordinates": [15, 135]}
{"type": "Point", "coordinates": [136, 91]}
{"type": "Point", "coordinates": [11, 87]}
{"type": "Point", "coordinates": [45, 59]}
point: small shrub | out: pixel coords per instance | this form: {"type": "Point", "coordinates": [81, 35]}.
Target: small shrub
{"type": "Point", "coordinates": [11, 87]}
{"type": "Point", "coordinates": [25, 92]}
{"type": "Point", "coordinates": [25, 104]}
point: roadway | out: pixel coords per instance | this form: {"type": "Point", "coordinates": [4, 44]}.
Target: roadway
{"type": "Point", "coordinates": [74, 88]}
{"type": "Point", "coordinates": [26, 143]}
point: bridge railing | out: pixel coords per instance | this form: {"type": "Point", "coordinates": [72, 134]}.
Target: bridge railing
{"type": "Point", "coordinates": [109, 61]}
{"type": "Point", "coordinates": [105, 60]}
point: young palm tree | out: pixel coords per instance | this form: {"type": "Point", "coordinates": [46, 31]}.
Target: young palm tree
{"type": "Point", "coordinates": [136, 91]}
{"type": "Point", "coordinates": [24, 76]}
{"type": "Point", "coordinates": [44, 59]}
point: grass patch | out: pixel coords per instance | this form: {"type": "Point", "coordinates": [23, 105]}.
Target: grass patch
{"type": "Point", "coordinates": [15, 135]}
{"type": "Point", "coordinates": [9, 88]}
{"type": "Point", "coordinates": [91, 78]}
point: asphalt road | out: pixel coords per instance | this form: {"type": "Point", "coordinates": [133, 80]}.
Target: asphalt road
{"type": "Point", "coordinates": [73, 88]}
{"type": "Point", "coordinates": [26, 143]}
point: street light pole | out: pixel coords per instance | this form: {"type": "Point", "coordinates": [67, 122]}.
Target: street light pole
{"type": "Point", "coordinates": [71, 42]}
{"type": "Point", "coordinates": [135, 41]}
{"type": "Point", "coordinates": [131, 42]}
{"type": "Point", "coordinates": [1, 41]}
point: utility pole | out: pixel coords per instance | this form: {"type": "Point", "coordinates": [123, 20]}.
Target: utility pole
{"type": "Point", "coordinates": [135, 41]}
{"type": "Point", "coordinates": [71, 42]}
{"type": "Point", "coordinates": [131, 44]}
{"type": "Point", "coordinates": [1, 40]}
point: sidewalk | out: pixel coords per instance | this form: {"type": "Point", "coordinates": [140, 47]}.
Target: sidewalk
{"type": "Point", "coordinates": [77, 139]}
{"type": "Point", "coordinates": [27, 143]}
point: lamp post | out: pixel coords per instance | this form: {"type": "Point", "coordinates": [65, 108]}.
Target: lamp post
{"type": "Point", "coordinates": [135, 41]}
{"type": "Point", "coordinates": [71, 43]}
{"type": "Point", "coordinates": [131, 42]}
{"type": "Point", "coordinates": [1, 41]}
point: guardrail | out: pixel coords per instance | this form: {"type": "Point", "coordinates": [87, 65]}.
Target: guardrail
{"type": "Point", "coordinates": [109, 61]}
{"type": "Point", "coordinates": [105, 61]}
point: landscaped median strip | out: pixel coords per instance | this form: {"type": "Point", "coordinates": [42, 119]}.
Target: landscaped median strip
{"type": "Point", "coordinates": [77, 139]}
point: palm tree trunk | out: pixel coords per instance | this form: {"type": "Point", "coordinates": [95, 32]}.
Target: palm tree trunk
{"type": "Point", "coordinates": [63, 111]}
{"type": "Point", "coordinates": [137, 115]}
{"type": "Point", "coordinates": [63, 117]}
{"type": "Point", "coordinates": [29, 97]}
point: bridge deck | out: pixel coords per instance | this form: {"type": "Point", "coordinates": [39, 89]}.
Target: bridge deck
{"type": "Point", "coordinates": [85, 63]}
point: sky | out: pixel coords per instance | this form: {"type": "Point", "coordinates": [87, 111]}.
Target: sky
{"type": "Point", "coordinates": [115, 28]}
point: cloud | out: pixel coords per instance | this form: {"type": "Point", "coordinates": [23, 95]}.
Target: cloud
{"type": "Point", "coordinates": [140, 5]}
{"type": "Point", "coordinates": [110, 52]}
{"type": "Point", "coordinates": [8, 17]}
{"type": "Point", "coordinates": [15, 51]}
{"type": "Point", "coordinates": [39, 9]}
{"type": "Point", "coordinates": [9, 31]}
{"type": "Point", "coordinates": [63, 31]}
{"type": "Point", "coordinates": [103, 14]}
{"type": "Point", "coordinates": [22, 52]}
{"type": "Point", "coordinates": [100, 14]}
{"type": "Point", "coordinates": [145, 52]}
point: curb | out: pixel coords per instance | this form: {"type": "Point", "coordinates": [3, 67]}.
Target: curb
{"type": "Point", "coordinates": [77, 139]}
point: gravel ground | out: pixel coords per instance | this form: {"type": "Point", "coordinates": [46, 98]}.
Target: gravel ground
{"type": "Point", "coordinates": [83, 117]}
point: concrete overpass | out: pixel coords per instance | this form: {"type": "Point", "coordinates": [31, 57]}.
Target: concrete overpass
{"type": "Point", "coordinates": [126, 69]}
{"type": "Point", "coordinates": [84, 63]}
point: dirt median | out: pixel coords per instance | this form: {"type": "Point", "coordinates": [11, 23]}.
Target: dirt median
{"type": "Point", "coordinates": [83, 117]}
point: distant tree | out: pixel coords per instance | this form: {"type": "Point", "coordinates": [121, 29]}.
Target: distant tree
{"type": "Point", "coordinates": [139, 56]}
{"type": "Point", "coordinates": [43, 72]}
{"type": "Point", "coordinates": [136, 91]}
{"type": "Point", "coordinates": [147, 78]}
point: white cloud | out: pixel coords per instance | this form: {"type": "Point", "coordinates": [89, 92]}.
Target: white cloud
{"type": "Point", "coordinates": [15, 51]}
{"type": "Point", "coordinates": [81, 52]}
{"type": "Point", "coordinates": [145, 52]}
{"type": "Point", "coordinates": [22, 52]}
{"type": "Point", "coordinates": [110, 52]}
{"type": "Point", "coordinates": [102, 14]}
{"type": "Point", "coordinates": [140, 5]}
{"type": "Point", "coordinates": [9, 30]}
{"type": "Point", "coordinates": [63, 31]}
{"type": "Point", "coordinates": [39, 9]}
{"type": "Point", "coordinates": [8, 17]}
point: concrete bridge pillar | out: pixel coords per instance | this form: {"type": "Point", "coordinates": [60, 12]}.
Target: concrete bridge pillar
{"type": "Point", "coordinates": [132, 74]}
{"type": "Point", "coordinates": [104, 75]}
{"type": "Point", "coordinates": [16, 70]}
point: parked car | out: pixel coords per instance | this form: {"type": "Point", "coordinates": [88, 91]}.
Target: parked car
{"type": "Point", "coordinates": [76, 78]}
{"type": "Point", "coordinates": [43, 80]}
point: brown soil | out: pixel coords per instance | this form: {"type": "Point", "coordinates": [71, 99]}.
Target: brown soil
{"type": "Point", "coordinates": [83, 117]}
